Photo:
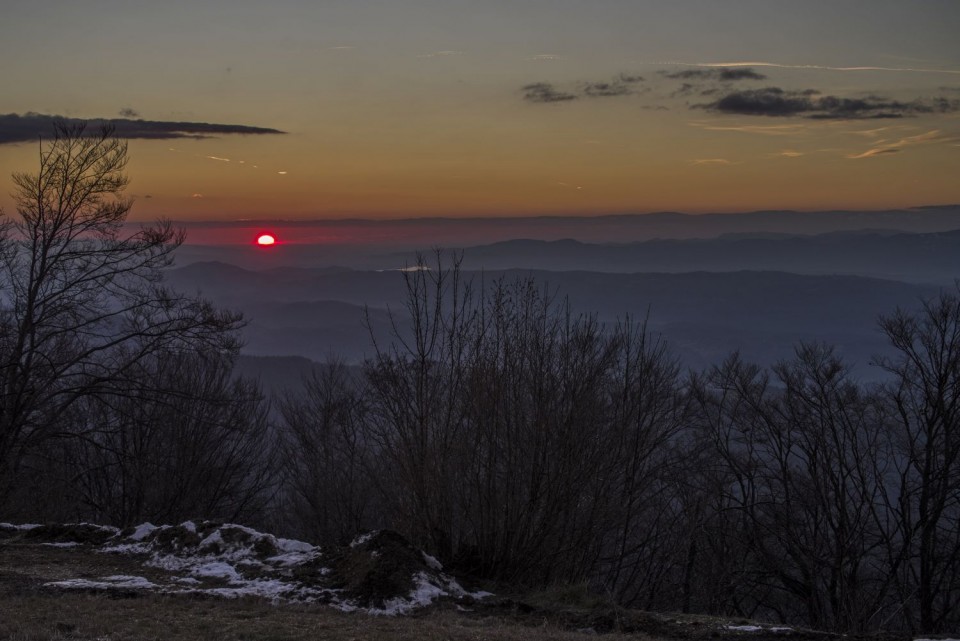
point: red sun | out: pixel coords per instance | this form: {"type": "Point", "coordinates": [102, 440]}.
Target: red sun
{"type": "Point", "coordinates": [266, 239]}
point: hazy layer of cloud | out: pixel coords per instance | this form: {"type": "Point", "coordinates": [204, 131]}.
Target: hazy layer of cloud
{"type": "Point", "coordinates": [28, 127]}
{"type": "Point", "coordinates": [545, 92]}
{"type": "Point", "coordinates": [774, 101]}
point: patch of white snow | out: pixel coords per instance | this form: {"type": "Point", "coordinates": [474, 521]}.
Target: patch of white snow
{"type": "Point", "coordinates": [363, 538]}
{"type": "Point", "coordinates": [105, 583]}
{"type": "Point", "coordinates": [217, 570]}
{"type": "Point", "coordinates": [143, 531]}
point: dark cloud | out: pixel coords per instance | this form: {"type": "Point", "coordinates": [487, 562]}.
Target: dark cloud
{"type": "Point", "coordinates": [30, 126]}
{"type": "Point", "coordinates": [808, 103]}
{"type": "Point", "coordinates": [129, 112]}
{"type": "Point", "coordinates": [769, 101]}
{"type": "Point", "coordinates": [722, 74]}
{"type": "Point", "coordinates": [741, 73]}
{"type": "Point", "coordinates": [621, 85]}
{"type": "Point", "coordinates": [606, 89]}
{"type": "Point", "coordinates": [544, 92]}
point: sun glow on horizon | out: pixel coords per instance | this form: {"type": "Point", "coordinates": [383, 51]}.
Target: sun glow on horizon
{"type": "Point", "coordinates": [265, 240]}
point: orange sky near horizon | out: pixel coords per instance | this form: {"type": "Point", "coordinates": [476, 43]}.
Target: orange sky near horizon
{"type": "Point", "coordinates": [419, 108]}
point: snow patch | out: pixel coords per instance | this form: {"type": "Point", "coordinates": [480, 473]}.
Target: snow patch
{"type": "Point", "coordinates": [216, 570]}
{"type": "Point", "coordinates": [142, 531]}
{"type": "Point", "coordinates": [232, 561]}
{"type": "Point", "coordinates": [756, 628]}
{"type": "Point", "coordinates": [361, 539]}
{"type": "Point", "coordinates": [105, 583]}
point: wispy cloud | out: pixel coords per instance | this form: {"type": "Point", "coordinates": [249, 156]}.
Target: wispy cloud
{"type": "Point", "coordinates": [607, 89]}
{"type": "Point", "coordinates": [934, 136]}
{"type": "Point", "coordinates": [872, 133]}
{"type": "Point", "coordinates": [129, 112]}
{"type": "Point", "coordinates": [16, 128]}
{"type": "Point", "coordinates": [870, 153]}
{"type": "Point", "coordinates": [765, 130]}
{"type": "Point", "coordinates": [711, 161]}
{"type": "Point", "coordinates": [621, 85]}
{"type": "Point", "coordinates": [441, 54]}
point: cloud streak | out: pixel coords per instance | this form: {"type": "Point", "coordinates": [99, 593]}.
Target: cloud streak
{"type": "Point", "coordinates": [755, 63]}
{"type": "Point", "coordinates": [884, 147]}
{"type": "Point", "coordinates": [766, 130]}
{"type": "Point", "coordinates": [710, 161]}
{"type": "Point", "coordinates": [29, 127]}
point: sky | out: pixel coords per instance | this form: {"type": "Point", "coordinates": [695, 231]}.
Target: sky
{"type": "Point", "coordinates": [409, 108]}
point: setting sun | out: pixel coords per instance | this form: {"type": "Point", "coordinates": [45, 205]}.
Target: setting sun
{"type": "Point", "coordinates": [266, 239]}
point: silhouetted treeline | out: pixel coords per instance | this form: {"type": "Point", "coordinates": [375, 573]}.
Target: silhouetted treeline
{"type": "Point", "coordinates": [526, 445]}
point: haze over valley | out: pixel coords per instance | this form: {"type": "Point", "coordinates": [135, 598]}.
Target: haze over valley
{"type": "Point", "coordinates": [709, 285]}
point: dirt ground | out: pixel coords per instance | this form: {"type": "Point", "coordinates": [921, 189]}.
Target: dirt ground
{"type": "Point", "coordinates": [30, 610]}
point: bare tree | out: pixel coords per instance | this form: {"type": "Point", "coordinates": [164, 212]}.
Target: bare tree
{"type": "Point", "coordinates": [923, 493]}
{"type": "Point", "coordinates": [328, 484]}
{"type": "Point", "coordinates": [192, 442]}
{"type": "Point", "coordinates": [799, 454]}
{"type": "Point", "coordinates": [82, 300]}
{"type": "Point", "coordinates": [416, 386]}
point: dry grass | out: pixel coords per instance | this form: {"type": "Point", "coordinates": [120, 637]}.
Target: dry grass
{"type": "Point", "coordinates": [79, 617]}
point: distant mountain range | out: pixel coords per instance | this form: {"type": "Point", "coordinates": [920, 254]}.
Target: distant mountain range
{"type": "Point", "coordinates": [317, 313]}
{"type": "Point", "coordinates": [917, 244]}
{"type": "Point", "coordinates": [928, 257]}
